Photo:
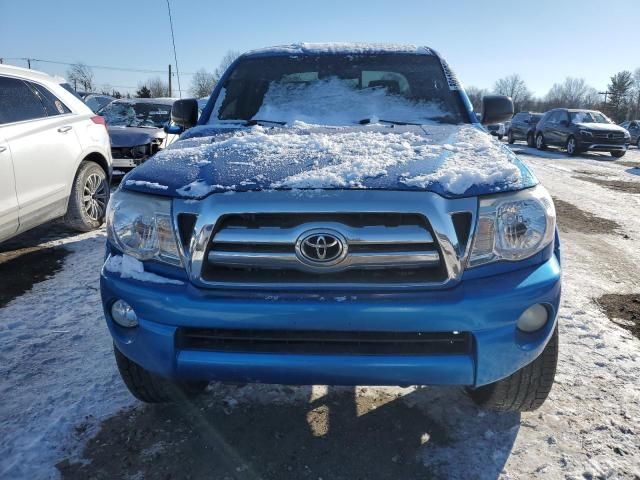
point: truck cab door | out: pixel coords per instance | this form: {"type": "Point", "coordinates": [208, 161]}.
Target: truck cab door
{"type": "Point", "coordinates": [8, 198]}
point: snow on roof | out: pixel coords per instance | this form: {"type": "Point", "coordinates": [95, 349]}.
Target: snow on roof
{"type": "Point", "coordinates": [341, 48]}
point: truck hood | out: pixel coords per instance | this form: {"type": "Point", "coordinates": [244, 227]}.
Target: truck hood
{"type": "Point", "coordinates": [450, 160]}
{"type": "Point", "coordinates": [133, 136]}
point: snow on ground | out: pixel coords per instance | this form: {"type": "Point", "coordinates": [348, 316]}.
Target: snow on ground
{"type": "Point", "coordinates": [59, 378]}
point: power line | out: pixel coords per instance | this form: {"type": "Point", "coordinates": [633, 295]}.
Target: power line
{"type": "Point", "coordinates": [175, 55]}
{"type": "Point", "coordinates": [98, 67]}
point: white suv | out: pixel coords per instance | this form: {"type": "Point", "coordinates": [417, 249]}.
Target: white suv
{"type": "Point", "coordinates": [55, 156]}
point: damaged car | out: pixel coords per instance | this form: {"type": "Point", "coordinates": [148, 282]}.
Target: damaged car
{"type": "Point", "coordinates": [336, 215]}
{"type": "Point", "coordinates": [136, 128]}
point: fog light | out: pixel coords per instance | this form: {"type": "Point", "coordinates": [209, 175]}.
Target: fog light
{"type": "Point", "coordinates": [533, 318]}
{"type": "Point", "coordinates": [123, 314]}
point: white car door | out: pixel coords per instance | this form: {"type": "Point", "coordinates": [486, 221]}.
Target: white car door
{"type": "Point", "coordinates": [8, 198]}
{"type": "Point", "coordinates": [44, 149]}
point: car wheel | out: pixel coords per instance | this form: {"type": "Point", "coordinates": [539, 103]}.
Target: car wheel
{"type": "Point", "coordinates": [500, 137]}
{"type": "Point", "coordinates": [540, 145]}
{"type": "Point", "coordinates": [638, 143]}
{"type": "Point", "coordinates": [526, 389]}
{"type": "Point", "coordinates": [530, 141]}
{"type": "Point", "coordinates": [618, 153]}
{"type": "Point", "coordinates": [151, 388]}
{"type": "Point", "coordinates": [89, 198]}
{"type": "Point", "coordinates": [510, 138]}
{"type": "Point", "coordinates": [572, 148]}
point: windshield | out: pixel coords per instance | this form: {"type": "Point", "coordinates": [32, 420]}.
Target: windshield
{"type": "Point", "coordinates": [588, 117]}
{"type": "Point", "coordinates": [133, 114]}
{"type": "Point", "coordinates": [339, 90]}
{"type": "Point", "coordinates": [96, 102]}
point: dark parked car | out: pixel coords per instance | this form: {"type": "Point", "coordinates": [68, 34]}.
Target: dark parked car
{"type": "Point", "coordinates": [581, 130]}
{"type": "Point", "coordinates": [523, 127]}
{"type": "Point", "coordinates": [633, 127]}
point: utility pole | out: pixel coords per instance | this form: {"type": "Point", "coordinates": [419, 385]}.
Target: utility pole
{"type": "Point", "coordinates": [170, 81]}
{"type": "Point", "coordinates": [605, 96]}
{"type": "Point", "coordinates": [29, 63]}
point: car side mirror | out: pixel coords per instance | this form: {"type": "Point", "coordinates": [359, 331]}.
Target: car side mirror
{"type": "Point", "coordinates": [496, 109]}
{"type": "Point", "coordinates": [184, 113]}
{"type": "Point", "coordinates": [172, 129]}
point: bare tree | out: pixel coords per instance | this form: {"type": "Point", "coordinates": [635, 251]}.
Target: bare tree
{"type": "Point", "coordinates": [202, 83]}
{"type": "Point", "coordinates": [572, 93]}
{"type": "Point", "coordinates": [81, 74]}
{"type": "Point", "coordinates": [475, 95]}
{"type": "Point", "coordinates": [157, 87]}
{"type": "Point", "coordinates": [225, 63]}
{"type": "Point", "coordinates": [513, 86]}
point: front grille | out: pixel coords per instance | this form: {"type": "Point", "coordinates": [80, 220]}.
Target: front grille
{"type": "Point", "coordinates": [383, 248]}
{"type": "Point", "coordinates": [324, 342]}
{"type": "Point", "coordinates": [609, 136]}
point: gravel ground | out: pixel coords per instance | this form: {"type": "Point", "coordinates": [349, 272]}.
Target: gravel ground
{"type": "Point", "coordinates": [66, 414]}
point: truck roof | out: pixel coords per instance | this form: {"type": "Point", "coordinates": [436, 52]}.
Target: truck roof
{"type": "Point", "coordinates": [339, 48]}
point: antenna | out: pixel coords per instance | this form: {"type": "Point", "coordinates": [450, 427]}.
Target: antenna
{"type": "Point", "coordinates": [175, 55]}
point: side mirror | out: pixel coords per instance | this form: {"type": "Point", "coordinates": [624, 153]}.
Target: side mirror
{"type": "Point", "coordinates": [172, 129]}
{"type": "Point", "coordinates": [496, 109]}
{"type": "Point", "coordinates": [184, 113]}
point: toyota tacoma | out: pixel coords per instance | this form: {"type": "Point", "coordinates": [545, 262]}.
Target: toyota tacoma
{"type": "Point", "coordinates": [336, 215]}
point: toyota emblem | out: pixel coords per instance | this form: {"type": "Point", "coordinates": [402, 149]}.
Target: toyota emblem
{"type": "Point", "coordinates": [321, 248]}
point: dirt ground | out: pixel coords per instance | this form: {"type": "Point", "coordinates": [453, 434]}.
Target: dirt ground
{"type": "Point", "coordinates": [623, 310]}
{"type": "Point", "coordinates": [571, 218]}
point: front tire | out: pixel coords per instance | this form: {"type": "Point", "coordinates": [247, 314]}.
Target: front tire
{"type": "Point", "coordinates": [525, 390]}
{"type": "Point", "coordinates": [572, 147]}
{"type": "Point", "coordinates": [500, 137]}
{"type": "Point", "coordinates": [618, 153]}
{"type": "Point", "coordinates": [530, 140]}
{"type": "Point", "coordinates": [151, 388]}
{"type": "Point", "coordinates": [89, 198]}
{"type": "Point", "coordinates": [540, 144]}
{"type": "Point", "coordinates": [510, 138]}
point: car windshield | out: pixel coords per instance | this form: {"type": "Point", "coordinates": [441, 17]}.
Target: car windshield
{"type": "Point", "coordinates": [339, 90]}
{"type": "Point", "coordinates": [96, 102]}
{"type": "Point", "coordinates": [136, 114]}
{"type": "Point", "coordinates": [588, 117]}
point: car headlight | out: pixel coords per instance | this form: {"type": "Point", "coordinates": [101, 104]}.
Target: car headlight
{"type": "Point", "coordinates": [513, 226]}
{"type": "Point", "coordinates": [141, 226]}
{"type": "Point", "coordinates": [586, 133]}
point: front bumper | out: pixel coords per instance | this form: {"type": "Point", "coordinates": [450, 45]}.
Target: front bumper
{"type": "Point", "coordinates": [487, 308]}
{"type": "Point", "coordinates": [602, 146]}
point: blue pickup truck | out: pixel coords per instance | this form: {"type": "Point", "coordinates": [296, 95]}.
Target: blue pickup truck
{"type": "Point", "coordinates": [336, 215]}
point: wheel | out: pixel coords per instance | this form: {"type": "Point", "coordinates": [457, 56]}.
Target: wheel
{"type": "Point", "coordinates": [89, 198]}
{"type": "Point", "coordinates": [540, 145]}
{"type": "Point", "coordinates": [618, 153]}
{"type": "Point", "coordinates": [572, 148]}
{"type": "Point", "coordinates": [525, 390]}
{"type": "Point", "coordinates": [151, 388]}
{"type": "Point", "coordinates": [638, 143]}
{"type": "Point", "coordinates": [530, 141]}
{"type": "Point", "coordinates": [500, 137]}
{"type": "Point", "coordinates": [510, 138]}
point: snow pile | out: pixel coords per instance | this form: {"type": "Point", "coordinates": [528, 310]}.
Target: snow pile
{"type": "Point", "coordinates": [142, 183]}
{"type": "Point", "coordinates": [200, 188]}
{"type": "Point", "coordinates": [336, 102]}
{"type": "Point", "coordinates": [129, 267]}
{"type": "Point", "coordinates": [473, 159]}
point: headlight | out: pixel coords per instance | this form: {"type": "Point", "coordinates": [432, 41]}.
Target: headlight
{"type": "Point", "coordinates": [586, 133]}
{"type": "Point", "coordinates": [141, 226]}
{"type": "Point", "coordinates": [513, 226]}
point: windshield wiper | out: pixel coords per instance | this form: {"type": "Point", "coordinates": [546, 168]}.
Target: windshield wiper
{"type": "Point", "coordinates": [366, 121]}
{"type": "Point", "coordinates": [256, 121]}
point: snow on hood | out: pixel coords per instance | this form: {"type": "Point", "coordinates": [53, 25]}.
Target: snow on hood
{"type": "Point", "coordinates": [133, 136]}
{"type": "Point", "coordinates": [341, 48]}
{"type": "Point", "coordinates": [451, 160]}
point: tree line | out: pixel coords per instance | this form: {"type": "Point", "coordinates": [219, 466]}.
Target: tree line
{"type": "Point", "coordinates": [621, 101]}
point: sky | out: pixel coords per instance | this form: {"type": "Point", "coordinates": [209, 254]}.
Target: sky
{"type": "Point", "coordinates": [543, 41]}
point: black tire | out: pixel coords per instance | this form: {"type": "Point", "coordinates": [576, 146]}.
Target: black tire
{"type": "Point", "coordinates": [572, 146]}
{"type": "Point", "coordinates": [510, 138]}
{"type": "Point", "coordinates": [638, 143]}
{"type": "Point", "coordinates": [618, 153]}
{"type": "Point", "coordinates": [530, 140]}
{"type": "Point", "coordinates": [540, 143]}
{"type": "Point", "coordinates": [151, 388]}
{"type": "Point", "coordinates": [525, 390]}
{"type": "Point", "coordinates": [500, 137]}
{"type": "Point", "coordinates": [88, 199]}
